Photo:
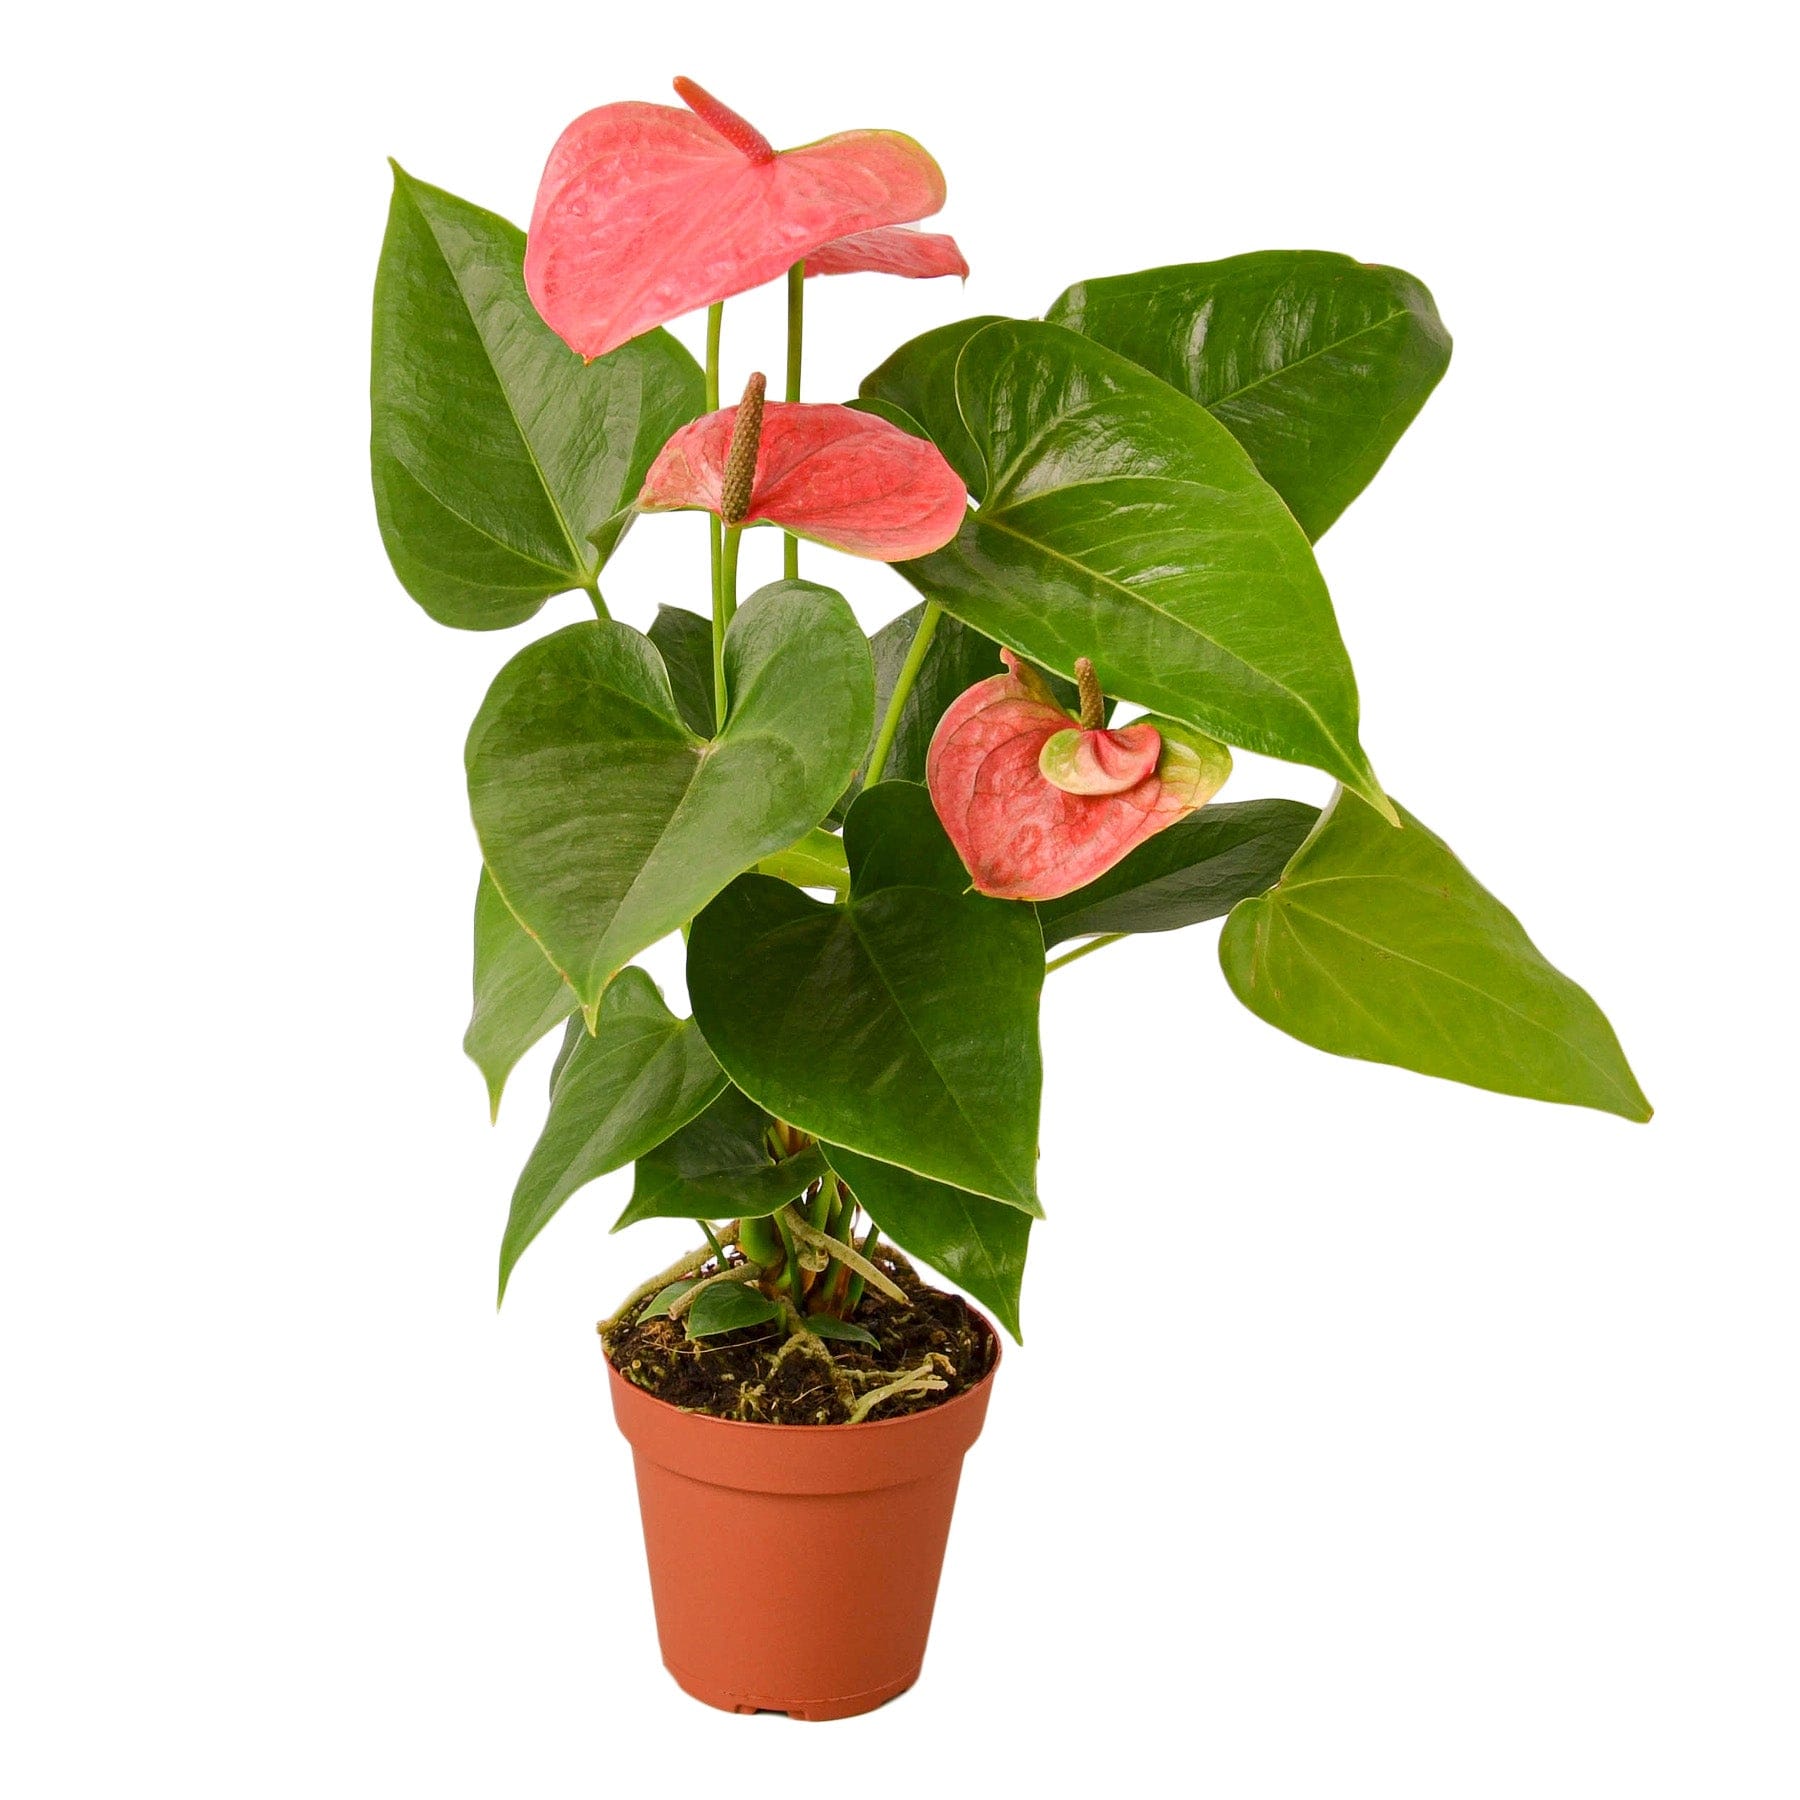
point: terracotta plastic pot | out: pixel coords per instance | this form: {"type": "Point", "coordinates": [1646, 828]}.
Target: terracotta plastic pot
{"type": "Point", "coordinates": [742, 1521]}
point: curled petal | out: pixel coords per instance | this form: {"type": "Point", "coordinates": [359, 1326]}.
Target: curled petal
{"type": "Point", "coordinates": [890, 250]}
{"type": "Point", "coordinates": [842, 478]}
{"type": "Point", "coordinates": [647, 212]}
{"type": "Point", "coordinates": [1037, 807]}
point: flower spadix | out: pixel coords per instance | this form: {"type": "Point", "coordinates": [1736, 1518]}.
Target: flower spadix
{"type": "Point", "coordinates": [647, 212]}
{"type": "Point", "coordinates": [1039, 803]}
{"type": "Point", "coordinates": [842, 478]}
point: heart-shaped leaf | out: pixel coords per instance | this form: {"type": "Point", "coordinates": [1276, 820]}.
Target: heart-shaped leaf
{"type": "Point", "coordinates": [684, 641]}
{"type": "Point", "coordinates": [519, 996]}
{"type": "Point", "coordinates": [659, 1306]}
{"type": "Point", "coordinates": [648, 212]}
{"type": "Point", "coordinates": [719, 1166]}
{"type": "Point", "coordinates": [841, 1330]}
{"type": "Point", "coordinates": [902, 1023]}
{"type": "Point", "coordinates": [1121, 522]}
{"type": "Point", "coordinates": [504, 469]}
{"type": "Point", "coordinates": [642, 1075]}
{"type": "Point", "coordinates": [728, 1306]}
{"type": "Point", "coordinates": [1313, 361]}
{"type": "Point", "coordinates": [916, 390]}
{"type": "Point", "coordinates": [1379, 944]}
{"type": "Point", "coordinates": [1196, 870]}
{"type": "Point", "coordinates": [978, 1243]}
{"type": "Point", "coordinates": [606, 823]}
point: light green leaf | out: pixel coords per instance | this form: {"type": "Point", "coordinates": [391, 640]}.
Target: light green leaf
{"type": "Point", "coordinates": [978, 1243]}
{"type": "Point", "coordinates": [841, 1330]}
{"type": "Point", "coordinates": [606, 823]}
{"type": "Point", "coordinates": [504, 467]}
{"type": "Point", "coordinates": [1123, 523]}
{"type": "Point", "coordinates": [642, 1075]}
{"type": "Point", "coordinates": [1379, 944]}
{"type": "Point", "coordinates": [518, 993]}
{"type": "Point", "coordinates": [902, 1023]}
{"type": "Point", "coordinates": [719, 1166]}
{"type": "Point", "coordinates": [728, 1306]}
{"type": "Point", "coordinates": [1196, 869]}
{"type": "Point", "coordinates": [659, 1307]}
{"type": "Point", "coordinates": [1314, 362]}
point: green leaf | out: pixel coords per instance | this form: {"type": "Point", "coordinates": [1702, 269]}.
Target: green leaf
{"type": "Point", "coordinates": [642, 1075]}
{"type": "Point", "coordinates": [606, 823]}
{"type": "Point", "coordinates": [728, 1306]}
{"type": "Point", "coordinates": [718, 1167]}
{"type": "Point", "coordinates": [1379, 944]}
{"type": "Point", "coordinates": [518, 993]}
{"type": "Point", "coordinates": [659, 1307]}
{"type": "Point", "coordinates": [916, 390]}
{"type": "Point", "coordinates": [1123, 523]}
{"type": "Point", "coordinates": [902, 1023]}
{"type": "Point", "coordinates": [1198, 868]}
{"type": "Point", "coordinates": [815, 861]}
{"type": "Point", "coordinates": [841, 1330]}
{"type": "Point", "coordinates": [1313, 361]}
{"type": "Point", "coordinates": [957, 657]}
{"type": "Point", "coordinates": [684, 641]}
{"type": "Point", "coordinates": [505, 468]}
{"type": "Point", "coordinates": [978, 1243]}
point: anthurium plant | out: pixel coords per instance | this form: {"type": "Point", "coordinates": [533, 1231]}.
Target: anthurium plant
{"type": "Point", "coordinates": [877, 847]}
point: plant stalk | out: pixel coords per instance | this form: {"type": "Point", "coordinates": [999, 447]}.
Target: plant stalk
{"type": "Point", "coordinates": [909, 673]}
{"type": "Point", "coordinates": [1087, 949]}
{"type": "Point", "coordinates": [715, 323]}
{"type": "Point", "coordinates": [796, 325]}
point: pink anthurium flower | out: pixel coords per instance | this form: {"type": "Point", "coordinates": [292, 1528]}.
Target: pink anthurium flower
{"type": "Point", "coordinates": [647, 212]}
{"type": "Point", "coordinates": [1039, 804]}
{"type": "Point", "coordinates": [842, 478]}
{"type": "Point", "coordinates": [891, 250]}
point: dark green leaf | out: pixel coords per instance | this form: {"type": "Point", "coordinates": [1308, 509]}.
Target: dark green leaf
{"type": "Point", "coordinates": [719, 1167]}
{"type": "Point", "coordinates": [607, 823]}
{"type": "Point", "coordinates": [1313, 361]}
{"type": "Point", "coordinates": [1196, 869]}
{"type": "Point", "coordinates": [977, 1243]}
{"type": "Point", "coordinates": [903, 1022]}
{"type": "Point", "coordinates": [684, 641]}
{"type": "Point", "coordinates": [642, 1075]}
{"type": "Point", "coordinates": [916, 389]}
{"type": "Point", "coordinates": [728, 1306]}
{"type": "Point", "coordinates": [841, 1330]}
{"type": "Point", "coordinates": [658, 1308]}
{"type": "Point", "coordinates": [518, 993]}
{"type": "Point", "coordinates": [1379, 944]}
{"type": "Point", "coordinates": [1123, 523]}
{"type": "Point", "coordinates": [505, 468]}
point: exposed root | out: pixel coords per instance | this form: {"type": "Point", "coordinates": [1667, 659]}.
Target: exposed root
{"type": "Point", "coordinates": [690, 1264]}
{"type": "Point", "coordinates": [744, 1271]}
{"type": "Point", "coordinates": [805, 1343]}
{"type": "Point", "coordinates": [851, 1258]}
{"type": "Point", "coordinates": [921, 1380]}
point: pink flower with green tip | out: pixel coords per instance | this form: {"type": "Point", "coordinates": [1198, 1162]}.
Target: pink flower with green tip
{"type": "Point", "coordinates": [1038, 803]}
{"type": "Point", "coordinates": [648, 212]}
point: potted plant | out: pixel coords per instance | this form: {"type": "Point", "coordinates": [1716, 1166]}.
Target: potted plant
{"type": "Point", "coordinates": [876, 849]}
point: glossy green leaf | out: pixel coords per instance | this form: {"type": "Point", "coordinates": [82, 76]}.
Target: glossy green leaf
{"type": "Point", "coordinates": [728, 1306]}
{"type": "Point", "coordinates": [719, 1167]}
{"type": "Point", "coordinates": [815, 861]}
{"type": "Point", "coordinates": [518, 993]}
{"type": "Point", "coordinates": [642, 1075]}
{"type": "Point", "coordinates": [957, 657]}
{"type": "Point", "coordinates": [916, 390]}
{"type": "Point", "coordinates": [1123, 523]}
{"type": "Point", "coordinates": [1379, 944]}
{"type": "Point", "coordinates": [975, 1242]}
{"type": "Point", "coordinates": [606, 823]}
{"type": "Point", "coordinates": [841, 1331]}
{"type": "Point", "coordinates": [684, 641]}
{"type": "Point", "coordinates": [659, 1306]}
{"type": "Point", "coordinates": [505, 469]}
{"type": "Point", "coordinates": [902, 1023]}
{"type": "Point", "coordinates": [1313, 361]}
{"type": "Point", "coordinates": [1198, 868]}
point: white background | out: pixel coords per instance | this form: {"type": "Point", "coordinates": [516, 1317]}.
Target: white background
{"type": "Point", "coordinates": [1371, 1436]}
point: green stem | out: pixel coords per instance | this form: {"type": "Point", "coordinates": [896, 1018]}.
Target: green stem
{"type": "Point", "coordinates": [724, 609]}
{"type": "Point", "coordinates": [715, 323]}
{"type": "Point", "coordinates": [867, 1248]}
{"type": "Point", "coordinates": [1087, 949]}
{"type": "Point", "coordinates": [909, 673]}
{"type": "Point", "coordinates": [718, 1249]}
{"type": "Point", "coordinates": [593, 594]}
{"type": "Point", "coordinates": [796, 325]}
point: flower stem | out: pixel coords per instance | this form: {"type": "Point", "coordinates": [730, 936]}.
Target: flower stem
{"type": "Point", "coordinates": [724, 608]}
{"type": "Point", "coordinates": [909, 673]}
{"type": "Point", "coordinates": [1087, 949]}
{"type": "Point", "coordinates": [796, 323]}
{"type": "Point", "coordinates": [715, 322]}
